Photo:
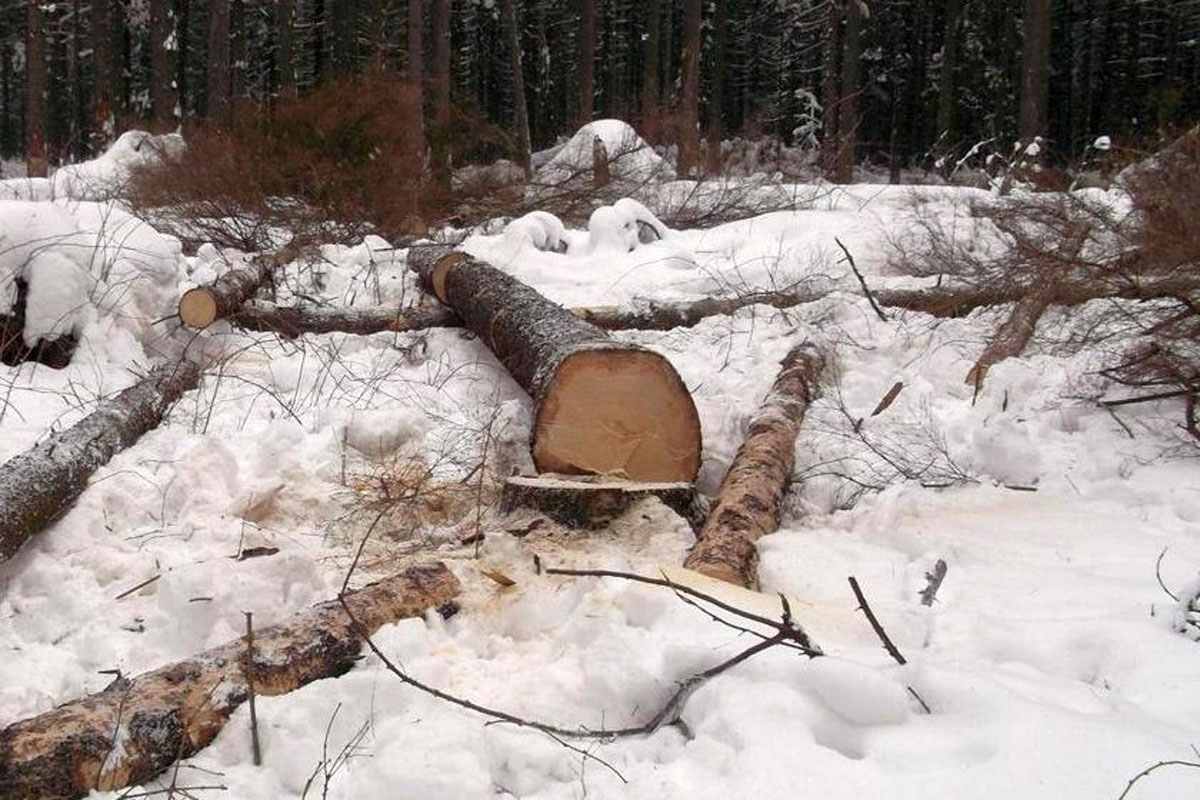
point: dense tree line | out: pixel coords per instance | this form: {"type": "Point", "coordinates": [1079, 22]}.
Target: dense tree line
{"type": "Point", "coordinates": [893, 82]}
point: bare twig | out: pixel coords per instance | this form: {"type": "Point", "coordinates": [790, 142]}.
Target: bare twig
{"type": "Point", "coordinates": [255, 748]}
{"type": "Point", "coordinates": [861, 281]}
{"type": "Point", "coordinates": [1158, 575]}
{"type": "Point", "coordinates": [1153, 767]}
{"type": "Point", "coordinates": [864, 607]}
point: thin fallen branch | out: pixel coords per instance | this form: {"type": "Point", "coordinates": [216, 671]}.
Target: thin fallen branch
{"type": "Point", "coordinates": [861, 281]}
{"type": "Point", "coordinates": [888, 645]}
{"type": "Point", "coordinates": [1154, 767]}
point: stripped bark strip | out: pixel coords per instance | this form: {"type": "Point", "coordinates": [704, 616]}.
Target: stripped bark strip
{"type": "Point", "coordinates": [39, 485]}
{"type": "Point", "coordinates": [602, 406]}
{"type": "Point", "coordinates": [173, 712]}
{"type": "Point", "coordinates": [747, 504]}
{"type": "Point", "coordinates": [1018, 329]}
{"type": "Point", "coordinates": [292, 321]}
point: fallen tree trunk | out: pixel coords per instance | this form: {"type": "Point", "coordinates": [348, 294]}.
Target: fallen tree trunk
{"type": "Point", "coordinates": [292, 321]}
{"type": "Point", "coordinates": [1017, 330]}
{"type": "Point", "coordinates": [204, 305]}
{"type": "Point", "coordinates": [136, 728]}
{"type": "Point", "coordinates": [747, 504]}
{"type": "Point", "coordinates": [586, 502]}
{"type": "Point", "coordinates": [40, 484]}
{"type": "Point", "coordinates": [601, 406]}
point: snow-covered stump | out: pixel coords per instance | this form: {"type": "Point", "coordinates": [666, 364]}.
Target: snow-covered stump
{"type": "Point", "coordinates": [603, 407]}
{"type": "Point", "coordinates": [15, 350]}
{"type": "Point", "coordinates": [136, 728]}
{"type": "Point", "coordinates": [747, 504]}
{"type": "Point", "coordinates": [40, 484]}
{"type": "Point", "coordinates": [204, 305]}
{"type": "Point", "coordinates": [593, 502]}
{"type": "Point", "coordinates": [292, 321]}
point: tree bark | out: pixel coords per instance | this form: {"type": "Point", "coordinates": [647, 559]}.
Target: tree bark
{"type": "Point", "coordinates": [218, 94]}
{"type": "Point", "coordinates": [587, 62]}
{"type": "Point", "coordinates": [1035, 70]}
{"type": "Point", "coordinates": [40, 484]}
{"type": "Point", "coordinates": [136, 728]}
{"type": "Point", "coordinates": [298, 320]}
{"type": "Point", "coordinates": [581, 503]}
{"type": "Point", "coordinates": [512, 32]}
{"type": "Point", "coordinates": [650, 80]}
{"type": "Point", "coordinates": [601, 406]}
{"type": "Point", "coordinates": [830, 95]}
{"type": "Point", "coordinates": [748, 501]}
{"type": "Point", "coordinates": [848, 119]}
{"type": "Point", "coordinates": [35, 93]}
{"type": "Point", "coordinates": [162, 71]}
{"type": "Point", "coordinates": [946, 84]}
{"type": "Point", "coordinates": [286, 52]}
{"type": "Point", "coordinates": [716, 93]}
{"type": "Point", "coordinates": [689, 102]}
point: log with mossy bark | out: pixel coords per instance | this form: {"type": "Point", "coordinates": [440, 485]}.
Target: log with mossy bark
{"type": "Point", "coordinates": [136, 728]}
{"type": "Point", "coordinates": [602, 407]}
{"type": "Point", "coordinates": [40, 484]}
{"type": "Point", "coordinates": [748, 503]}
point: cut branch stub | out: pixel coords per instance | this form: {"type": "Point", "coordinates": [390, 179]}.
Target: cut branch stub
{"type": "Point", "coordinates": [603, 407]}
{"type": "Point", "coordinates": [747, 504]}
{"type": "Point", "coordinates": [136, 728]}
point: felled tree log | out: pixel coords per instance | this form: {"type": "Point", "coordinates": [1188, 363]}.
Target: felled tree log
{"type": "Point", "coordinates": [40, 484]}
{"type": "Point", "coordinates": [603, 407]}
{"type": "Point", "coordinates": [136, 728]}
{"type": "Point", "coordinates": [1017, 330]}
{"type": "Point", "coordinates": [747, 504]}
{"type": "Point", "coordinates": [204, 305]}
{"type": "Point", "coordinates": [593, 502]}
{"type": "Point", "coordinates": [294, 321]}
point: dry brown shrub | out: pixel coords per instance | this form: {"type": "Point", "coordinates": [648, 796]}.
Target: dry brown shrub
{"type": "Point", "coordinates": [414, 495]}
{"type": "Point", "coordinates": [332, 165]}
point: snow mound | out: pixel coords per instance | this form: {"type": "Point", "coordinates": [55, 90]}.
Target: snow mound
{"type": "Point", "coordinates": [538, 229]}
{"type": "Point", "coordinates": [84, 261]}
{"type": "Point", "coordinates": [629, 156]}
{"type": "Point", "coordinates": [103, 177]}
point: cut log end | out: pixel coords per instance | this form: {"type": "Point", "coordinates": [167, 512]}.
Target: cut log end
{"type": "Point", "coordinates": [198, 308]}
{"type": "Point", "coordinates": [441, 268]}
{"type": "Point", "coordinates": [618, 412]}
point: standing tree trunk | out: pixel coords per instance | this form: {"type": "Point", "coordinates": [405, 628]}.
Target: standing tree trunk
{"type": "Point", "coordinates": [587, 62]}
{"type": "Point", "coordinates": [136, 728]}
{"type": "Point", "coordinates": [689, 105]}
{"type": "Point", "coordinates": [1035, 70]}
{"type": "Point", "coordinates": [218, 95]}
{"type": "Point", "coordinates": [105, 28]}
{"type": "Point", "coordinates": [602, 407]}
{"type": "Point", "coordinates": [848, 119]}
{"type": "Point", "coordinates": [650, 96]}
{"type": "Point", "coordinates": [716, 94]}
{"type": "Point", "coordinates": [748, 501]}
{"type": "Point", "coordinates": [35, 93]}
{"type": "Point", "coordinates": [946, 85]}
{"type": "Point", "coordinates": [830, 96]}
{"type": "Point", "coordinates": [440, 83]}
{"type": "Point", "coordinates": [286, 52]}
{"type": "Point", "coordinates": [162, 71]}
{"type": "Point", "coordinates": [41, 484]}
{"type": "Point", "coordinates": [512, 33]}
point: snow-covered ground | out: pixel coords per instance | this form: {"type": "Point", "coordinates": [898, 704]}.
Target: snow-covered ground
{"type": "Point", "coordinates": [1050, 661]}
